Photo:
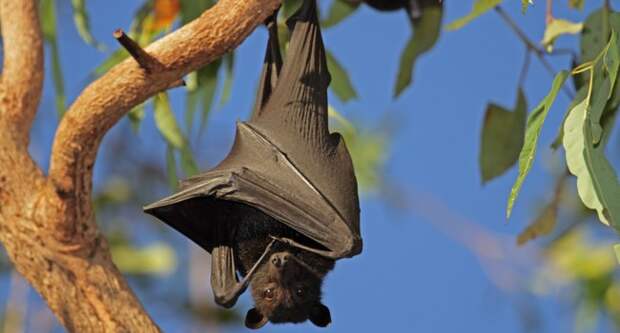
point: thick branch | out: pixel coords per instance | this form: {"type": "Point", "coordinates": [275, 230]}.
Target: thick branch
{"type": "Point", "coordinates": [105, 101]}
{"type": "Point", "coordinates": [22, 74]}
{"type": "Point", "coordinates": [47, 224]}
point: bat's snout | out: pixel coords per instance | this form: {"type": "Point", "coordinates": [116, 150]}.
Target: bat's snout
{"type": "Point", "coordinates": [280, 259]}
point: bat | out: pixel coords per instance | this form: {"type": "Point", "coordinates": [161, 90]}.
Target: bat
{"type": "Point", "coordinates": [283, 205]}
{"type": "Point", "coordinates": [414, 8]}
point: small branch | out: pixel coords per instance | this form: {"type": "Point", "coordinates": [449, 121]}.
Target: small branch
{"type": "Point", "coordinates": [22, 72]}
{"type": "Point", "coordinates": [549, 12]}
{"type": "Point", "coordinates": [105, 101]}
{"type": "Point", "coordinates": [525, 68]}
{"type": "Point", "coordinates": [145, 60]}
{"type": "Point", "coordinates": [539, 53]}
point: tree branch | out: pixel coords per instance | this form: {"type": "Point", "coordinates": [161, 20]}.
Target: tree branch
{"type": "Point", "coordinates": [104, 102]}
{"type": "Point", "coordinates": [22, 74]}
{"type": "Point", "coordinates": [47, 224]}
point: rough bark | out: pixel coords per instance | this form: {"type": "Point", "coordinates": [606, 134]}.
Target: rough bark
{"type": "Point", "coordinates": [47, 222]}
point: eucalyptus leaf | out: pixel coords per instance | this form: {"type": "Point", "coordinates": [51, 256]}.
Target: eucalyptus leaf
{"type": "Point", "coordinates": [502, 138]}
{"type": "Point", "coordinates": [136, 115]}
{"type": "Point", "coordinates": [525, 4]}
{"type": "Point", "coordinates": [81, 19]}
{"type": "Point", "coordinates": [597, 183]}
{"type": "Point", "coordinates": [558, 27]}
{"type": "Point", "coordinates": [534, 125]}
{"type": "Point", "coordinates": [166, 122]}
{"type": "Point", "coordinates": [480, 7]}
{"type": "Point", "coordinates": [188, 164]}
{"type": "Point", "coordinates": [341, 83]}
{"type": "Point", "coordinates": [543, 225]}
{"type": "Point", "coordinates": [426, 31]}
{"type": "Point", "coordinates": [229, 65]}
{"type": "Point", "coordinates": [338, 11]}
{"type": "Point", "coordinates": [580, 96]}
{"type": "Point", "coordinates": [155, 259]}
{"type": "Point", "coordinates": [191, 9]}
{"type": "Point", "coordinates": [171, 168]}
{"type": "Point", "coordinates": [576, 4]}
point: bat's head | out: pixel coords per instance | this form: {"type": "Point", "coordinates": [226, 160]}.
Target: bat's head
{"type": "Point", "coordinates": [287, 290]}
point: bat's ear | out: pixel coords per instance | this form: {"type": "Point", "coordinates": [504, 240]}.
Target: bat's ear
{"type": "Point", "coordinates": [254, 319]}
{"type": "Point", "coordinates": [320, 315]}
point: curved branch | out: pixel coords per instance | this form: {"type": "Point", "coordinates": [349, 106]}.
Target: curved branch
{"type": "Point", "coordinates": [47, 225]}
{"type": "Point", "coordinates": [105, 101]}
{"type": "Point", "coordinates": [22, 75]}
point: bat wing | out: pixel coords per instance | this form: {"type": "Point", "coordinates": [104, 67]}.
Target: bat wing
{"type": "Point", "coordinates": [256, 173]}
{"type": "Point", "coordinates": [284, 161]}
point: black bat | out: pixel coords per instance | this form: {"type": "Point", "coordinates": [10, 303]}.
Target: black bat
{"type": "Point", "coordinates": [283, 206]}
{"type": "Point", "coordinates": [414, 8]}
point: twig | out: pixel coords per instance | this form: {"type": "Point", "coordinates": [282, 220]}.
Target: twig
{"type": "Point", "coordinates": [549, 12]}
{"type": "Point", "coordinates": [525, 68]}
{"type": "Point", "coordinates": [539, 53]}
{"type": "Point", "coordinates": [144, 59]}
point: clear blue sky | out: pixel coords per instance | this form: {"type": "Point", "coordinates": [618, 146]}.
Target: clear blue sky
{"type": "Point", "coordinates": [412, 276]}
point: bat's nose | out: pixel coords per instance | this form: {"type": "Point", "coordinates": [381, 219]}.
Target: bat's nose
{"type": "Point", "coordinates": [279, 259]}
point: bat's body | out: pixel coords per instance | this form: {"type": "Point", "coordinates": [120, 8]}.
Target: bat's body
{"type": "Point", "coordinates": [283, 205]}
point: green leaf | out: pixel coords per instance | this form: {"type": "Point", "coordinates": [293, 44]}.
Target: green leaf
{"type": "Point", "coordinates": [480, 7]}
{"type": "Point", "coordinates": [532, 132]}
{"type": "Point", "coordinates": [502, 138]}
{"type": "Point", "coordinates": [341, 83]}
{"type": "Point", "coordinates": [580, 96]}
{"type": "Point", "coordinates": [525, 4]}
{"type": "Point", "coordinates": [289, 7]}
{"type": "Point", "coordinates": [597, 183]}
{"type": "Point", "coordinates": [617, 251]}
{"type": "Point", "coordinates": [559, 27]}
{"type": "Point", "coordinates": [166, 122]}
{"type": "Point", "coordinates": [338, 11]}
{"type": "Point", "coordinates": [136, 115]}
{"type": "Point", "coordinates": [201, 91]}
{"type": "Point", "coordinates": [191, 9]}
{"type": "Point", "coordinates": [115, 58]}
{"type": "Point", "coordinates": [188, 164]}
{"type": "Point", "coordinates": [48, 27]}
{"type": "Point", "coordinates": [543, 225]}
{"type": "Point", "coordinates": [229, 62]}
{"type": "Point", "coordinates": [426, 32]}
{"type": "Point", "coordinates": [80, 17]}
{"type": "Point", "coordinates": [155, 259]}
{"type": "Point", "coordinates": [171, 168]}
{"type": "Point", "coordinates": [368, 151]}
{"type": "Point", "coordinates": [595, 33]}
{"type": "Point", "coordinates": [575, 4]}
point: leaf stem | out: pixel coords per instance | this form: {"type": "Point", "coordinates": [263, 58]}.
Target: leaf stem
{"type": "Point", "coordinates": [531, 47]}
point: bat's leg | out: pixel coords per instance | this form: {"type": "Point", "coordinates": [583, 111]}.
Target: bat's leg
{"type": "Point", "coordinates": [224, 278]}
{"type": "Point", "coordinates": [327, 254]}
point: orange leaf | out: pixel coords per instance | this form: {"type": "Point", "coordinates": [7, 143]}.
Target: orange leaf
{"type": "Point", "coordinates": [165, 13]}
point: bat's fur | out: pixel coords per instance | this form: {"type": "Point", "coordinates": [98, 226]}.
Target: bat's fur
{"type": "Point", "coordinates": [295, 290]}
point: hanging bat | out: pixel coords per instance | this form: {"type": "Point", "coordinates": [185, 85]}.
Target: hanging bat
{"type": "Point", "coordinates": [414, 8]}
{"type": "Point", "coordinates": [283, 206]}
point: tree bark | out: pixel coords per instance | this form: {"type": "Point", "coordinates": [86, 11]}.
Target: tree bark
{"type": "Point", "coordinates": [47, 222]}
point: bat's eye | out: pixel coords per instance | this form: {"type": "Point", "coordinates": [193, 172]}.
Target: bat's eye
{"type": "Point", "coordinates": [300, 292]}
{"type": "Point", "coordinates": [268, 293]}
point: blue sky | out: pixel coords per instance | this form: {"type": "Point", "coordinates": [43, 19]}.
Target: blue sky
{"type": "Point", "coordinates": [412, 275]}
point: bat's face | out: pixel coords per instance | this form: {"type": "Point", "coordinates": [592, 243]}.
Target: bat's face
{"type": "Point", "coordinates": [286, 290]}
